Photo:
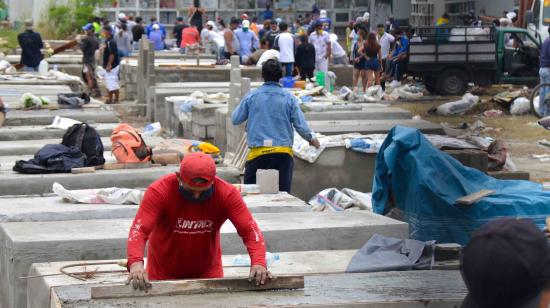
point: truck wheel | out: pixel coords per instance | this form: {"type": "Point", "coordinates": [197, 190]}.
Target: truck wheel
{"type": "Point", "coordinates": [452, 82]}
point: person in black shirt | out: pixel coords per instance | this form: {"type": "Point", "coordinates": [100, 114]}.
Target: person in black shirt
{"type": "Point", "coordinates": [111, 61]}
{"type": "Point", "coordinates": [137, 32]}
{"type": "Point", "coordinates": [31, 45]}
{"type": "Point", "coordinates": [180, 25]}
{"type": "Point", "coordinates": [89, 45]}
{"type": "Point", "coordinates": [272, 34]}
{"type": "Point", "coordinates": [305, 58]}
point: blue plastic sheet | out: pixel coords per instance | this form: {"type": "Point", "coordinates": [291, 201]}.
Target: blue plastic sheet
{"type": "Point", "coordinates": [425, 183]}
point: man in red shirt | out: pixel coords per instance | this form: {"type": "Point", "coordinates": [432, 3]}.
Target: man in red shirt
{"type": "Point", "coordinates": [180, 217]}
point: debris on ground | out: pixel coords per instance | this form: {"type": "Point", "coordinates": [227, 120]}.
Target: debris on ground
{"type": "Point", "coordinates": [520, 106]}
{"type": "Point", "coordinates": [499, 157]}
{"type": "Point", "coordinates": [507, 97]}
{"type": "Point", "coordinates": [492, 113]}
{"type": "Point", "coordinates": [457, 107]}
{"type": "Point", "coordinates": [545, 122]}
{"type": "Point", "coordinates": [544, 142]}
{"type": "Point", "coordinates": [111, 195]}
{"type": "Point", "coordinates": [542, 158]}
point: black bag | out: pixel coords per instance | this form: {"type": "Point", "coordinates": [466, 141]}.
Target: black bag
{"type": "Point", "coordinates": [52, 158]}
{"type": "Point", "coordinates": [73, 100]}
{"type": "Point", "coordinates": [85, 138]}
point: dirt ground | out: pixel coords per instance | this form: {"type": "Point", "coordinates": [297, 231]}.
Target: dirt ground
{"type": "Point", "coordinates": [521, 133]}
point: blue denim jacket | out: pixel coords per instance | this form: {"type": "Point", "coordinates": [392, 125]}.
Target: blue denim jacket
{"type": "Point", "coordinates": [271, 113]}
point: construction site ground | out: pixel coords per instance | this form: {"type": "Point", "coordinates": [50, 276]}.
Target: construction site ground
{"type": "Point", "coordinates": [521, 133]}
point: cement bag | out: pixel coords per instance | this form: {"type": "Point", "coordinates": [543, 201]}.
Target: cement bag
{"type": "Point", "coordinates": [112, 195]}
{"type": "Point", "coordinates": [408, 92]}
{"type": "Point", "coordinates": [520, 106]}
{"type": "Point", "coordinates": [360, 199]}
{"type": "Point", "coordinates": [374, 93]}
{"type": "Point", "coordinates": [457, 107]}
{"type": "Point", "coordinates": [331, 199]}
{"type": "Point", "coordinates": [303, 150]}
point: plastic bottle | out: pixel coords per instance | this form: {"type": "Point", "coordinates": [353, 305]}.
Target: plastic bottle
{"type": "Point", "coordinates": [43, 67]}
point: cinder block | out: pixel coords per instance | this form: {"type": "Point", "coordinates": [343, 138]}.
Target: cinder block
{"type": "Point", "coordinates": [205, 114]}
{"type": "Point", "coordinates": [220, 138]}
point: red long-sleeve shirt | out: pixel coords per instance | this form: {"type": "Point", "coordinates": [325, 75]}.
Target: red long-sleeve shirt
{"type": "Point", "coordinates": [184, 238]}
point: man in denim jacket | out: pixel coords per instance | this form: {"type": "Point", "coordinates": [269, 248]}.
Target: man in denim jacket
{"type": "Point", "coordinates": [272, 113]}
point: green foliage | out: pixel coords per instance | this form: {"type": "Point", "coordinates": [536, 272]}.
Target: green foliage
{"type": "Point", "coordinates": [64, 20]}
{"type": "Point", "coordinates": [3, 5]}
{"type": "Point", "coordinates": [8, 39]}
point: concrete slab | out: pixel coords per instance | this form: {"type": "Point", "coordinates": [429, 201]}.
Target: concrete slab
{"type": "Point", "coordinates": [39, 132]}
{"type": "Point", "coordinates": [11, 94]}
{"type": "Point", "coordinates": [29, 147]}
{"type": "Point", "coordinates": [13, 183]}
{"type": "Point", "coordinates": [53, 208]}
{"type": "Point", "coordinates": [411, 289]}
{"type": "Point", "coordinates": [45, 117]}
{"type": "Point", "coordinates": [372, 126]}
{"type": "Point", "coordinates": [385, 113]}
{"type": "Point", "coordinates": [25, 243]}
{"type": "Point", "coordinates": [289, 263]}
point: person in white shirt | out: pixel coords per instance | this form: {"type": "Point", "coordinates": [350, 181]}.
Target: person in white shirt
{"type": "Point", "coordinates": [338, 53]}
{"type": "Point", "coordinates": [321, 41]}
{"type": "Point", "coordinates": [284, 42]}
{"type": "Point", "coordinates": [385, 39]}
{"type": "Point", "coordinates": [215, 40]}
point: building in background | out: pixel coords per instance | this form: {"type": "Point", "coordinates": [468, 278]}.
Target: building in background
{"type": "Point", "coordinates": [426, 12]}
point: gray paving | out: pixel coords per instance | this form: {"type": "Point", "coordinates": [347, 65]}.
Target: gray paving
{"type": "Point", "coordinates": [53, 208]}
{"type": "Point", "coordinates": [36, 132]}
{"type": "Point", "coordinates": [45, 117]}
{"type": "Point", "coordinates": [33, 242]}
{"type": "Point", "coordinates": [411, 289]}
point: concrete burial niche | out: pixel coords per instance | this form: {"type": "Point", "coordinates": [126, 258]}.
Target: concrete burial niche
{"type": "Point", "coordinates": [30, 132]}
{"type": "Point", "coordinates": [45, 117]}
{"type": "Point", "coordinates": [336, 127]}
{"type": "Point", "coordinates": [288, 263]}
{"type": "Point", "coordinates": [53, 208]}
{"type": "Point", "coordinates": [411, 289]}
{"type": "Point", "coordinates": [33, 242]}
{"type": "Point", "coordinates": [342, 168]}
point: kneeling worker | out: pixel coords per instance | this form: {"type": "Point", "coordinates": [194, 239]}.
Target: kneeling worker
{"type": "Point", "coordinates": [272, 113]}
{"type": "Point", "coordinates": [180, 217]}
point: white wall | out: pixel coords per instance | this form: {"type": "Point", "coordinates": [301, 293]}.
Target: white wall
{"type": "Point", "coordinates": [494, 7]}
{"type": "Point", "coordinates": [401, 9]}
{"type": "Point", "coordinates": [24, 9]}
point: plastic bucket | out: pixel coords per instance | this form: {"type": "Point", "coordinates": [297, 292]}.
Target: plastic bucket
{"type": "Point", "coordinates": [288, 82]}
{"type": "Point", "coordinates": [320, 78]}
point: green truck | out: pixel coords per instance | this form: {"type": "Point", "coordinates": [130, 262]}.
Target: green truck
{"type": "Point", "coordinates": [448, 58]}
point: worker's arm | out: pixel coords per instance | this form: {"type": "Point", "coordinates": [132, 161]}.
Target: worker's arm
{"type": "Point", "coordinates": [299, 122]}
{"type": "Point", "coordinates": [40, 42]}
{"type": "Point", "coordinates": [228, 37]}
{"type": "Point", "coordinates": [248, 230]}
{"type": "Point", "coordinates": [146, 218]}
{"type": "Point", "coordinates": [240, 114]}
{"type": "Point", "coordinates": [111, 59]}
{"type": "Point", "coordinates": [329, 48]}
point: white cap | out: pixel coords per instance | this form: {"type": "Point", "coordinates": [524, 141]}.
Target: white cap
{"type": "Point", "coordinates": [246, 24]}
{"type": "Point", "coordinates": [366, 16]}
{"type": "Point", "coordinates": [156, 26]}
{"type": "Point", "coordinates": [511, 15]}
{"type": "Point", "coordinates": [211, 23]}
{"type": "Point", "coordinates": [323, 13]}
{"type": "Point", "coordinates": [121, 16]}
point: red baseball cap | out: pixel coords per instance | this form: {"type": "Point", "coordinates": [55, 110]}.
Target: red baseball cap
{"type": "Point", "coordinates": [198, 166]}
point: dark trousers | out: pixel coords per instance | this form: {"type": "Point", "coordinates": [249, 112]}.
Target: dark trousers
{"type": "Point", "coordinates": [306, 73]}
{"type": "Point", "coordinates": [278, 161]}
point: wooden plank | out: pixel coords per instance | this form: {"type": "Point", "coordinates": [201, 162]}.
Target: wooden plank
{"type": "Point", "coordinates": [83, 170]}
{"type": "Point", "coordinates": [473, 198]}
{"type": "Point", "coordinates": [198, 286]}
{"type": "Point", "coordinates": [116, 166]}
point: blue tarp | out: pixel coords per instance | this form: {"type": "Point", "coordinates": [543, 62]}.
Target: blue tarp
{"type": "Point", "coordinates": [425, 183]}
